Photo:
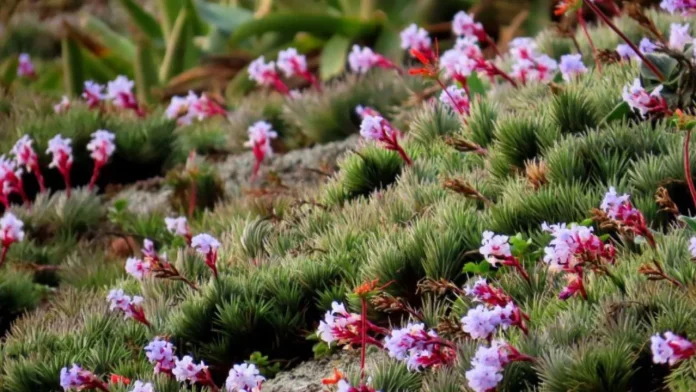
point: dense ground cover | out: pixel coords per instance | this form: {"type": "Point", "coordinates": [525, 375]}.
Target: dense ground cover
{"type": "Point", "coordinates": [510, 179]}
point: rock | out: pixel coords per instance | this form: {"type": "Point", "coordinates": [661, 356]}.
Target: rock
{"type": "Point", "coordinates": [307, 376]}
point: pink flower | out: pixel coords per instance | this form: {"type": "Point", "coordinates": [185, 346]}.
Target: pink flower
{"type": "Point", "coordinates": [208, 246]}
{"type": "Point", "coordinates": [671, 349]}
{"type": "Point", "coordinates": [292, 64]}
{"type": "Point", "coordinates": [523, 48]}
{"type": "Point", "coordinates": [244, 378]}
{"type": "Point", "coordinates": [638, 99]}
{"type": "Point", "coordinates": [25, 68]}
{"type": "Point", "coordinates": [626, 52]}
{"type": "Point", "coordinates": [266, 74]}
{"type": "Point", "coordinates": [363, 59]}
{"type": "Point", "coordinates": [495, 248]}
{"type": "Point", "coordinates": [646, 46]}
{"type": "Point", "coordinates": [93, 93]}
{"type": "Point", "coordinates": [456, 99]}
{"type": "Point", "coordinates": [10, 230]}
{"type": "Point", "coordinates": [339, 325]}
{"type": "Point", "coordinates": [375, 127]}
{"type": "Point", "coordinates": [62, 106]}
{"type": "Point", "coordinates": [260, 135]}
{"type": "Point", "coordinates": [187, 370]}
{"type": "Point", "coordinates": [571, 66]}
{"type": "Point", "coordinates": [137, 268]}
{"type": "Point", "coordinates": [457, 65]}
{"type": "Point", "coordinates": [180, 109]}
{"type": "Point", "coordinates": [463, 24]}
{"type": "Point", "coordinates": [414, 37]}
{"type": "Point", "coordinates": [684, 7]}
{"type": "Point", "coordinates": [11, 179]}
{"type": "Point", "coordinates": [620, 209]}
{"type": "Point", "coordinates": [573, 287]}
{"type": "Point", "coordinates": [204, 107]}
{"type": "Point", "coordinates": [61, 151]}
{"type": "Point", "coordinates": [178, 226]}
{"type": "Point", "coordinates": [120, 92]}
{"type": "Point", "coordinates": [102, 145]}
{"type": "Point", "coordinates": [75, 378]}
{"type": "Point", "coordinates": [679, 36]}
{"type": "Point", "coordinates": [488, 364]}
{"type": "Point", "coordinates": [25, 156]}
{"type": "Point", "coordinates": [483, 292]}
{"type": "Point", "coordinates": [481, 322]}
{"type": "Point", "coordinates": [130, 307]}
{"type": "Point", "coordinates": [139, 386]}
{"type": "Point", "coordinates": [161, 353]}
{"type": "Point", "coordinates": [418, 347]}
{"type": "Point", "coordinates": [572, 246]}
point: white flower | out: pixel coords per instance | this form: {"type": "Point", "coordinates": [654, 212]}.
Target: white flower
{"type": "Point", "coordinates": [638, 99]}
{"type": "Point", "coordinates": [205, 243]}
{"type": "Point", "coordinates": [670, 349]}
{"type": "Point", "coordinates": [371, 127]}
{"type": "Point", "coordinates": [455, 62]}
{"type": "Point", "coordinates": [261, 72]}
{"type": "Point", "coordinates": [626, 52]}
{"type": "Point", "coordinates": [243, 378]}
{"type": "Point", "coordinates": [161, 353]}
{"type": "Point", "coordinates": [102, 145]}
{"type": "Point", "coordinates": [343, 386]}
{"type": "Point", "coordinates": [646, 46]}
{"type": "Point", "coordinates": [260, 135]}
{"type": "Point", "coordinates": [139, 386]}
{"type": "Point", "coordinates": [571, 66]}
{"type": "Point", "coordinates": [180, 108]}
{"type": "Point", "coordinates": [93, 93]}
{"type": "Point", "coordinates": [414, 37]}
{"type": "Point", "coordinates": [178, 225]}
{"type": "Point", "coordinates": [483, 378]}
{"type": "Point", "coordinates": [61, 150]}
{"type": "Point", "coordinates": [679, 36]}
{"type": "Point", "coordinates": [186, 370]}
{"type": "Point", "coordinates": [120, 92]}
{"type": "Point", "coordinates": [10, 229]}
{"type": "Point", "coordinates": [122, 302]}
{"type": "Point", "coordinates": [481, 322]}
{"type": "Point", "coordinates": [137, 268]}
{"type": "Point", "coordinates": [62, 106]}
{"type": "Point", "coordinates": [523, 48]}
{"type": "Point", "coordinates": [335, 322]}
{"type": "Point", "coordinates": [291, 62]}
{"type": "Point", "coordinates": [612, 202]}
{"type": "Point", "coordinates": [71, 378]}
{"type": "Point", "coordinates": [463, 24]}
{"type": "Point", "coordinates": [495, 248]}
{"type": "Point", "coordinates": [24, 153]}
{"type": "Point", "coordinates": [362, 59]}
{"type": "Point", "coordinates": [457, 99]}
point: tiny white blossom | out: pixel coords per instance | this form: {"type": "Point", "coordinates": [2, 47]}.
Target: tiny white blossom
{"type": "Point", "coordinates": [414, 37]}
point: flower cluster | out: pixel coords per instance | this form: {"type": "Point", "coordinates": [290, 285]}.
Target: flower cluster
{"type": "Point", "coordinates": [293, 64]}
{"type": "Point", "coordinates": [11, 180]}
{"type": "Point", "coordinates": [459, 62]}
{"type": "Point", "coordinates": [161, 354]}
{"type": "Point", "coordinates": [456, 99]}
{"type": "Point", "coordinates": [260, 135]}
{"type": "Point", "coordinates": [679, 6]}
{"type": "Point", "coordinates": [185, 369]}
{"type": "Point", "coordinates": [25, 156]}
{"type": "Point", "coordinates": [363, 59]}
{"type": "Point", "coordinates": [62, 157]}
{"type": "Point", "coordinates": [621, 211]}
{"type": "Point", "coordinates": [377, 128]}
{"type": "Point", "coordinates": [101, 148]}
{"type": "Point", "coordinates": [118, 91]}
{"type": "Point", "coordinates": [488, 363]}
{"type": "Point", "coordinates": [138, 268]}
{"type": "Point", "coordinates": [290, 63]}
{"type": "Point", "coordinates": [482, 321]}
{"type": "Point", "coordinates": [63, 106]}
{"type": "Point", "coordinates": [464, 25]}
{"type": "Point", "coordinates": [418, 348]}
{"type": "Point", "coordinates": [244, 378]}
{"type": "Point", "coordinates": [339, 326]}
{"type": "Point", "coordinates": [25, 68]}
{"type": "Point", "coordinates": [496, 250]}
{"type": "Point", "coordinates": [192, 107]}
{"type": "Point", "coordinates": [207, 245]}
{"type": "Point", "coordinates": [530, 66]}
{"type": "Point", "coordinates": [93, 93]}
{"type": "Point", "coordinates": [416, 38]}
{"type": "Point", "coordinates": [646, 104]}
{"type": "Point", "coordinates": [178, 226]}
{"type": "Point", "coordinates": [129, 306]}
{"type": "Point", "coordinates": [572, 249]}
{"type": "Point", "coordinates": [671, 348]}
{"type": "Point", "coordinates": [77, 379]}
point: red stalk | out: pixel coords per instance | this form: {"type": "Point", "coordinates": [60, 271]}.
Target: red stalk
{"type": "Point", "coordinates": [687, 167]}
{"type": "Point", "coordinates": [623, 36]}
{"type": "Point", "coordinates": [363, 337]}
{"type": "Point", "coordinates": [95, 174]}
{"type": "Point", "coordinates": [39, 177]}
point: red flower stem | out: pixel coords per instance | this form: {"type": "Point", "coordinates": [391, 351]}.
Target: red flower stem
{"type": "Point", "coordinates": [687, 167]}
{"type": "Point", "coordinates": [490, 42]}
{"type": "Point", "coordinates": [363, 337]}
{"type": "Point", "coordinates": [68, 185]}
{"type": "Point", "coordinates": [583, 24]}
{"type": "Point", "coordinates": [39, 178]}
{"type": "Point", "coordinates": [623, 36]}
{"type": "Point", "coordinates": [95, 175]}
{"type": "Point", "coordinates": [505, 76]}
{"type": "Point", "coordinates": [4, 255]}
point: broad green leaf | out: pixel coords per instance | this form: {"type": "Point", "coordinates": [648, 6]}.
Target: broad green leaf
{"type": "Point", "coordinates": [476, 86]}
{"type": "Point", "coordinates": [690, 222]}
{"type": "Point", "coordinates": [333, 58]}
{"type": "Point", "coordinates": [388, 43]}
{"type": "Point", "coordinates": [145, 72]}
{"type": "Point", "coordinates": [292, 23]}
{"type": "Point", "coordinates": [118, 45]}
{"type": "Point", "coordinates": [173, 61]}
{"type": "Point", "coordinates": [73, 73]}
{"type": "Point", "coordinates": [145, 22]}
{"type": "Point", "coordinates": [226, 19]}
{"type": "Point", "coordinates": [621, 110]}
{"type": "Point", "coordinates": [665, 64]}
